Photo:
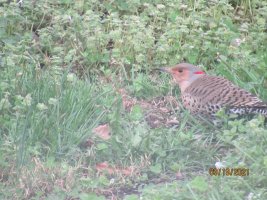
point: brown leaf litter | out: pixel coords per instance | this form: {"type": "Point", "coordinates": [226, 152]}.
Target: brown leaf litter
{"type": "Point", "coordinates": [159, 111]}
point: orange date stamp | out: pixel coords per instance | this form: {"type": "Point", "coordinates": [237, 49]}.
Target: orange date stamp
{"type": "Point", "coordinates": [229, 171]}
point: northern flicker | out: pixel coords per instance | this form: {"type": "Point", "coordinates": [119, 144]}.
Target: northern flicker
{"type": "Point", "coordinates": [205, 94]}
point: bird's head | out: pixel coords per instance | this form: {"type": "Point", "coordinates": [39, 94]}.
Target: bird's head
{"type": "Point", "coordinates": [184, 74]}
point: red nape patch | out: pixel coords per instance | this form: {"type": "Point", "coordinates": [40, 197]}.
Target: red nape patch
{"type": "Point", "coordinates": [199, 72]}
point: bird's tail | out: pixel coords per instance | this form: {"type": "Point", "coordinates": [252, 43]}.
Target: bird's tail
{"type": "Point", "coordinates": [248, 110]}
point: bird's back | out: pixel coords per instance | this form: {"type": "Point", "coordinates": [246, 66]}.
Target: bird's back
{"type": "Point", "coordinates": [208, 94]}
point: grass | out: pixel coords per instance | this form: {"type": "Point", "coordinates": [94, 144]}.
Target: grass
{"type": "Point", "coordinates": [68, 69]}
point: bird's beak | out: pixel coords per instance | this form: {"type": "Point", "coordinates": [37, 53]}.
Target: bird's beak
{"type": "Point", "coordinates": [163, 69]}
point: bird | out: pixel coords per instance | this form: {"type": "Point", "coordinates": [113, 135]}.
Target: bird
{"type": "Point", "coordinates": [205, 95]}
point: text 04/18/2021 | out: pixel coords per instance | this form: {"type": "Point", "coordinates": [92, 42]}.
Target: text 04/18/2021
{"type": "Point", "coordinates": [229, 171]}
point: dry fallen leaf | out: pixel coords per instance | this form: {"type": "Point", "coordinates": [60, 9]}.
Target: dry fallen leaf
{"type": "Point", "coordinates": [104, 167]}
{"type": "Point", "coordinates": [127, 171]}
{"type": "Point", "coordinates": [179, 175]}
{"type": "Point", "coordinates": [103, 131]}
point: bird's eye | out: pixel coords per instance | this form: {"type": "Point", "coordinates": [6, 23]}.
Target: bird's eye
{"type": "Point", "coordinates": [180, 70]}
